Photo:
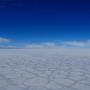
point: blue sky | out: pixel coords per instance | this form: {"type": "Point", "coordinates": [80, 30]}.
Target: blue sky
{"type": "Point", "coordinates": [40, 21]}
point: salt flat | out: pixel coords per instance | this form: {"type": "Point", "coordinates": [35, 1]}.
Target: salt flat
{"type": "Point", "coordinates": [44, 69]}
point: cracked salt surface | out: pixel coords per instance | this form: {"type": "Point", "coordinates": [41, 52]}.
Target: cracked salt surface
{"type": "Point", "coordinates": [44, 69]}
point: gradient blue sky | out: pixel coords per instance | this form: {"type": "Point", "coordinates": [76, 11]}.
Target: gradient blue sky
{"type": "Point", "coordinates": [34, 21]}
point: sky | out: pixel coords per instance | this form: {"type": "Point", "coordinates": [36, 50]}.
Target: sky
{"type": "Point", "coordinates": [32, 23]}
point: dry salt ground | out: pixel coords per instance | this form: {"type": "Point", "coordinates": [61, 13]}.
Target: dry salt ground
{"type": "Point", "coordinates": [44, 69]}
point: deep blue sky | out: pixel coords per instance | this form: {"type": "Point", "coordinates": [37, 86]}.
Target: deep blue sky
{"type": "Point", "coordinates": [26, 21]}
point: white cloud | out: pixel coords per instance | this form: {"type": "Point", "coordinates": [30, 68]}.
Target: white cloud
{"type": "Point", "coordinates": [41, 45]}
{"type": "Point", "coordinates": [61, 44]}
{"type": "Point", "coordinates": [49, 44]}
{"type": "Point", "coordinates": [77, 43]}
{"type": "Point", "coordinates": [74, 43]}
{"type": "Point", "coordinates": [33, 46]}
{"type": "Point", "coordinates": [11, 47]}
{"type": "Point", "coordinates": [4, 40]}
{"type": "Point", "coordinates": [7, 47]}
